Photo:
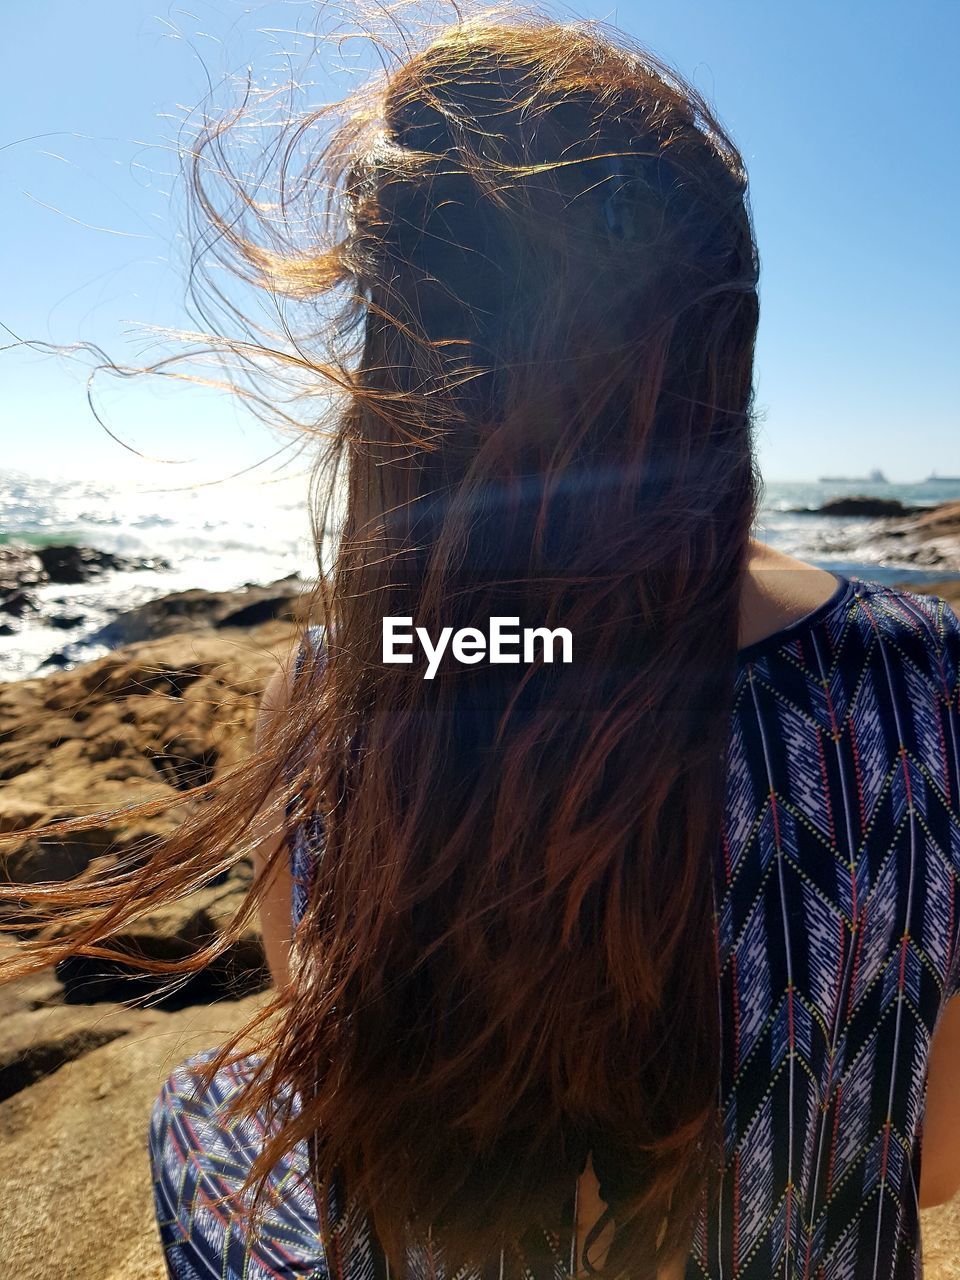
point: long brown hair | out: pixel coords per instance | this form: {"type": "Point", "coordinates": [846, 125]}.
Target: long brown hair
{"type": "Point", "coordinates": [536, 255]}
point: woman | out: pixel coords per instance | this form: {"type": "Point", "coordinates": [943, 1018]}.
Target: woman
{"type": "Point", "coordinates": [632, 962]}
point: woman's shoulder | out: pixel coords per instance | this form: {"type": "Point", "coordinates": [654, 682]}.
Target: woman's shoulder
{"type": "Point", "coordinates": [779, 593]}
{"type": "Point", "coordinates": [785, 599]}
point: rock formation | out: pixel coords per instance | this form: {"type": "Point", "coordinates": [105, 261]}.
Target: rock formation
{"type": "Point", "coordinates": [924, 537]}
{"type": "Point", "coordinates": [23, 567]}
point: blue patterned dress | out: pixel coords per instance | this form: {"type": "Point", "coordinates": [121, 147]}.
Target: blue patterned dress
{"type": "Point", "coordinates": [836, 884]}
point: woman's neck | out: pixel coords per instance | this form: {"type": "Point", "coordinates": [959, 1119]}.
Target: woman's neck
{"type": "Point", "coordinates": [778, 590]}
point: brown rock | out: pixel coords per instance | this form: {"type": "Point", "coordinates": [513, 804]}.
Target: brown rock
{"type": "Point", "coordinates": [143, 722]}
{"type": "Point", "coordinates": [34, 1048]}
{"type": "Point", "coordinates": [80, 1077]}
{"type": "Point", "coordinates": [944, 518]}
{"type": "Point", "coordinates": [198, 609]}
{"type": "Point", "coordinates": [150, 720]}
{"type": "Point", "coordinates": [41, 1033]}
{"type": "Point", "coordinates": [16, 814]}
{"type": "Point", "coordinates": [941, 1241]}
{"type": "Point", "coordinates": [927, 537]}
{"type": "Point", "coordinates": [174, 932]}
{"type": "Point", "coordinates": [77, 1197]}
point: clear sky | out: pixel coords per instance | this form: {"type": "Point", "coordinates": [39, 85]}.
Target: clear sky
{"type": "Point", "coordinates": [847, 112]}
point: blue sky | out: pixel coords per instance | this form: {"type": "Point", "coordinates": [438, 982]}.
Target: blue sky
{"type": "Point", "coordinates": [847, 112]}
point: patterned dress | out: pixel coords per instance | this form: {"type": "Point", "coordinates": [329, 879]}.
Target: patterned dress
{"type": "Point", "coordinates": [836, 885]}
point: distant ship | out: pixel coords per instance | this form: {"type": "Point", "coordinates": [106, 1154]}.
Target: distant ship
{"type": "Point", "coordinates": [933, 478]}
{"type": "Point", "coordinates": [875, 477]}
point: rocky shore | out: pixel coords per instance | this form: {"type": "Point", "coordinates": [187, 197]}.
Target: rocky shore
{"type": "Point", "coordinates": [24, 568]}
{"type": "Point", "coordinates": [78, 1066]}
{"type": "Point", "coordinates": [174, 704]}
{"type": "Point", "coordinates": [921, 537]}
{"type": "Point", "coordinates": [72, 603]}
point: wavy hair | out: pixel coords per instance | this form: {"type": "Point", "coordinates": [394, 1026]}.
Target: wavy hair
{"type": "Point", "coordinates": [533, 255]}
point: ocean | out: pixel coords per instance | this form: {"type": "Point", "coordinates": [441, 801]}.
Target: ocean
{"type": "Point", "coordinates": [222, 536]}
